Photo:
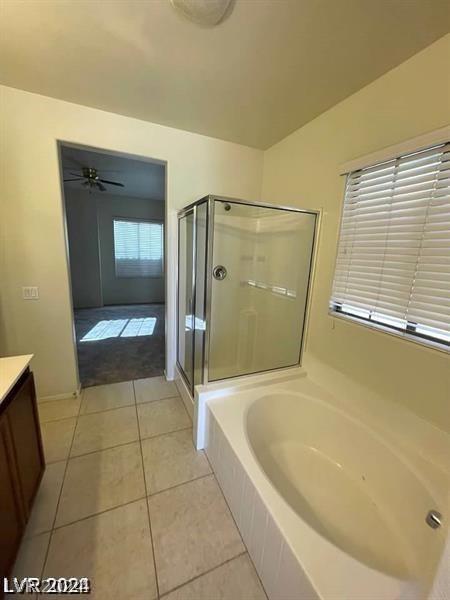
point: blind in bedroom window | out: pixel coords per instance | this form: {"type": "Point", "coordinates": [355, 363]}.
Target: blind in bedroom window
{"type": "Point", "coordinates": [393, 260]}
{"type": "Point", "coordinates": [138, 248]}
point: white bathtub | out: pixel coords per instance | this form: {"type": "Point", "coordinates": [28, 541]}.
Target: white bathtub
{"type": "Point", "coordinates": [327, 508]}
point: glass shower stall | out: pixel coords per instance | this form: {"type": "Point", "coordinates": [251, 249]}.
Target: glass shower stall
{"type": "Point", "coordinates": [244, 272]}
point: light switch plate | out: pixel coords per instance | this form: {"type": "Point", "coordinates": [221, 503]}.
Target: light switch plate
{"type": "Point", "coordinates": [30, 293]}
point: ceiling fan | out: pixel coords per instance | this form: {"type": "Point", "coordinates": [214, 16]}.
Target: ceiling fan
{"type": "Point", "coordinates": [91, 179]}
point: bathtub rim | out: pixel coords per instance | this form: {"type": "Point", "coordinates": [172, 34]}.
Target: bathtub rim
{"type": "Point", "coordinates": [378, 438]}
{"type": "Point", "coordinates": [320, 550]}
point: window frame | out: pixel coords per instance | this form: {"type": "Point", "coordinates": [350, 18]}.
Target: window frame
{"type": "Point", "coordinates": [139, 220]}
{"type": "Point", "coordinates": [410, 332]}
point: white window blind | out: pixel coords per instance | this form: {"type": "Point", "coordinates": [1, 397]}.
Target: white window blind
{"type": "Point", "coordinates": [138, 248]}
{"type": "Point", "coordinates": [393, 261]}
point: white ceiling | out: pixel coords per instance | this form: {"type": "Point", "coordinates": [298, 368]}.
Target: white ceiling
{"type": "Point", "coordinates": [141, 179]}
{"type": "Point", "coordinates": [269, 68]}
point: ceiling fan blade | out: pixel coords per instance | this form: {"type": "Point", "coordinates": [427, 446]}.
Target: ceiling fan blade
{"type": "Point", "coordinates": [112, 182]}
{"type": "Point", "coordinates": [101, 187]}
{"type": "Point", "coordinates": [76, 179]}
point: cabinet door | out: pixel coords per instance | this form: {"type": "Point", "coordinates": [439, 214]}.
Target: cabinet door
{"type": "Point", "coordinates": [26, 436]}
{"type": "Point", "coordinates": [11, 523]}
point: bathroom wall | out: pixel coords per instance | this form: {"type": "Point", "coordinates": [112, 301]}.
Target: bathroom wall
{"type": "Point", "coordinates": [303, 170]}
{"type": "Point", "coordinates": [34, 235]}
{"type": "Point", "coordinates": [91, 249]}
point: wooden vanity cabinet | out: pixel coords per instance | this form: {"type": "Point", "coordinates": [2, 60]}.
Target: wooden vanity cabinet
{"type": "Point", "coordinates": [21, 465]}
{"type": "Point", "coordinates": [11, 514]}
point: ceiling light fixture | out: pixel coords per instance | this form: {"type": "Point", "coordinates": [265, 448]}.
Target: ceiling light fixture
{"type": "Point", "coordinates": [203, 12]}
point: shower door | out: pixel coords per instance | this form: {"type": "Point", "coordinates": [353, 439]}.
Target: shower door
{"type": "Point", "coordinates": [260, 268]}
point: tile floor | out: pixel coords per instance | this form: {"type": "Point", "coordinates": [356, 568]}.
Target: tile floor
{"type": "Point", "coordinates": [127, 501]}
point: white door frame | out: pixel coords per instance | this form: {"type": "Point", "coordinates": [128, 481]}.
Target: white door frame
{"type": "Point", "coordinates": [170, 244]}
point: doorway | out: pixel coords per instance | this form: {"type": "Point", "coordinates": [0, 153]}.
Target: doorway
{"type": "Point", "coordinates": [115, 207]}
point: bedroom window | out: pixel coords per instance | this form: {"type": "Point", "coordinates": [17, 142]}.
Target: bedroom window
{"type": "Point", "coordinates": [138, 248]}
{"type": "Point", "coordinates": [393, 260]}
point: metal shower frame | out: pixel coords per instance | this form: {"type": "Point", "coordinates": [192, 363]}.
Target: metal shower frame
{"type": "Point", "coordinates": [192, 209]}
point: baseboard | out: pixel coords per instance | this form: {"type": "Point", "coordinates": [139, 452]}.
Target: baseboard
{"type": "Point", "coordinates": [60, 396]}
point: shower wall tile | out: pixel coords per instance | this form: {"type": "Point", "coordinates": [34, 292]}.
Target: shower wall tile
{"type": "Point", "coordinates": [280, 572]}
{"type": "Point", "coordinates": [258, 532]}
{"type": "Point", "coordinates": [246, 510]}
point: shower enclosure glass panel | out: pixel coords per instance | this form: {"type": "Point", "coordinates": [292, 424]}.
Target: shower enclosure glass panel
{"type": "Point", "coordinates": [201, 228]}
{"type": "Point", "coordinates": [186, 279]}
{"type": "Point", "coordinates": [261, 266]}
{"type": "Point", "coordinates": [243, 280]}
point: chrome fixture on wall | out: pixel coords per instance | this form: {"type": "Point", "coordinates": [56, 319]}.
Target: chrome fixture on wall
{"type": "Point", "coordinates": [434, 519]}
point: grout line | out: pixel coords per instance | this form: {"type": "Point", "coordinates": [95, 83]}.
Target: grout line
{"type": "Point", "coordinates": [97, 412]}
{"type": "Point", "coordinates": [177, 485]}
{"type": "Point", "coordinates": [44, 564]}
{"type": "Point", "coordinates": [204, 573]}
{"type": "Point", "coordinates": [157, 435]}
{"type": "Point", "coordinates": [57, 420]}
{"type": "Point", "coordinates": [146, 501]}
{"type": "Point", "coordinates": [106, 510]}
{"type": "Point", "coordinates": [97, 514]}
{"type": "Point", "coordinates": [80, 414]}
{"type": "Point", "coordinates": [102, 449]}
{"type": "Point", "coordinates": [159, 399]}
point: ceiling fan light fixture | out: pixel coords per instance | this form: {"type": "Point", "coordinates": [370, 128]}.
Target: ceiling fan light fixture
{"type": "Point", "coordinates": [203, 12]}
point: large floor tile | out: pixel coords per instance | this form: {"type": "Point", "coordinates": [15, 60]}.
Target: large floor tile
{"type": "Point", "coordinates": [193, 531]}
{"type": "Point", "coordinates": [154, 388]}
{"type": "Point", "coordinates": [113, 550]}
{"type": "Point", "coordinates": [235, 580]}
{"type": "Point", "coordinates": [99, 481]}
{"type": "Point", "coordinates": [31, 557]}
{"type": "Point", "coordinates": [172, 459]}
{"type": "Point", "coordinates": [162, 416]}
{"type": "Point", "coordinates": [55, 410]}
{"type": "Point", "coordinates": [104, 397]}
{"type": "Point", "coordinates": [57, 437]}
{"type": "Point", "coordinates": [105, 430]}
{"type": "Point", "coordinates": [46, 501]}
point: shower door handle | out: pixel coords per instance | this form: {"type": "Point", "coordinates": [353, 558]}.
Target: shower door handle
{"type": "Point", "coordinates": [219, 272]}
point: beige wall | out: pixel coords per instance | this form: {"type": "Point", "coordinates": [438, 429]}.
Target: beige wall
{"type": "Point", "coordinates": [303, 170]}
{"type": "Point", "coordinates": [34, 244]}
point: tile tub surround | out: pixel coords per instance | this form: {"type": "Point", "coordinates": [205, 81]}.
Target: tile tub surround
{"type": "Point", "coordinates": [277, 567]}
{"type": "Point", "coordinates": [145, 519]}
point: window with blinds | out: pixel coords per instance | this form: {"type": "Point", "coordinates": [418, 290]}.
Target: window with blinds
{"type": "Point", "coordinates": [393, 260]}
{"type": "Point", "coordinates": [138, 248]}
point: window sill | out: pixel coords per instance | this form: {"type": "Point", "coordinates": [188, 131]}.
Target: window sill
{"type": "Point", "coordinates": [430, 344]}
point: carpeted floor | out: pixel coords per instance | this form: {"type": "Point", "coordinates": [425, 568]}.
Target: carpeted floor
{"type": "Point", "coordinates": [125, 356]}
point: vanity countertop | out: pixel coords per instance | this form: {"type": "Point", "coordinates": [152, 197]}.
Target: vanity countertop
{"type": "Point", "coordinates": [11, 368]}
